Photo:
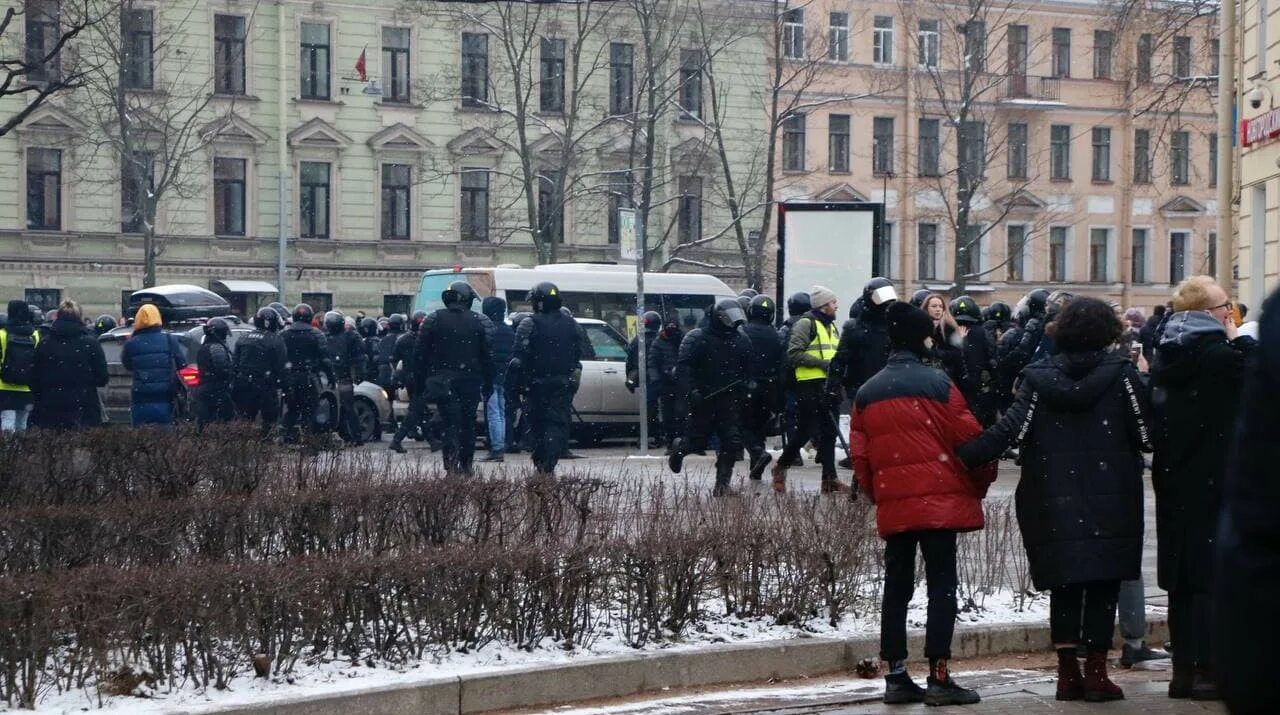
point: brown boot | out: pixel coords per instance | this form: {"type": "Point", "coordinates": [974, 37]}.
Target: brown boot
{"type": "Point", "coordinates": [1070, 681]}
{"type": "Point", "coordinates": [834, 486]}
{"type": "Point", "coordinates": [780, 477]}
{"type": "Point", "coordinates": [1098, 688]}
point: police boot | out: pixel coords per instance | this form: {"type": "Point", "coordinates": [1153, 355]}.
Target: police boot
{"type": "Point", "coordinates": [395, 446]}
{"type": "Point", "coordinates": [724, 476]}
{"type": "Point", "coordinates": [758, 464]}
{"type": "Point", "coordinates": [675, 460]}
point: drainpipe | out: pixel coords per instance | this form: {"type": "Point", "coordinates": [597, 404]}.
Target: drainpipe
{"type": "Point", "coordinates": [1227, 97]}
{"type": "Point", "coordinates": [282, 149]}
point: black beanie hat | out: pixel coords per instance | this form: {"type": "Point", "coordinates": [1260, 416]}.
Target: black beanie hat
{"type": "Point", "coordinates": [18, 312]}
{"type": "Point", "coordinates": [908, 327]}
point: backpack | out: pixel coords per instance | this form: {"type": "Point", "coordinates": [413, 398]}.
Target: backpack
{"type": "Point", "coordinates": [19, 362]}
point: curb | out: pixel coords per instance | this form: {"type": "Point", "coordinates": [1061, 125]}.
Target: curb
{"type": "Point", "coordinates": [621, 676]}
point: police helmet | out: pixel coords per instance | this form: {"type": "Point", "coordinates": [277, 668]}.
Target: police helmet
{"type": "Point", "coordinates": [997, 311]}
{"type": "Point", "coordinates": [349, 323]}
{"type": "Point", "coordinates": [761, 309]}
{"type": "Point", "coordinates": [369, 327]}
{"type": "Point", "coordinates": [919, 297]}
{"type": "Point", "coordinates": [303, 313]}
{"type": "Point", "coordinates": [459, 293]}
{"type": "Point", "coordinates": [748, 293]}
{"type": "Point", "coordinates": [744, 302]}
{"type": "Point", "coordinates": [1037, 301]}
{"type": "Point", "coordinates": [267, 319]}
{"type": "Point", "coordinates": [799, 304]}
{"type": "Point", "coordinates": [396, 321]}
{"type": "Point", "coordinates": [545, 298]}
{"type": "Point", "coordinates": [37, 315]}
{"type": "Point", "coordinates": [652, 321]}
{"type": "Point", "coordinates": [50, 317]}
{"type": "Point", "coordinates": [217, 329]}
{"type": "Point", "coordinates": [965, 310]}
{"type": "Point", "coordinates": [727, 314]}
{"type": "Point", "coordinates": [334, 322]}
{"type": "Point", "coordinates": [418, 317]}
{"type": "Point", "coordinates": [879, 292]}
{"type": "Point", "coordinates": [104, 324]}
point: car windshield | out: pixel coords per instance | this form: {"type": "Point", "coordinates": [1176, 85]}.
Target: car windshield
{"type": "Point", "coordinates": [608, 344]}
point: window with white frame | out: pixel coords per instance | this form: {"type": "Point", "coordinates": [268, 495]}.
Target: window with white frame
{"type": "Point", "coordinates": [928, 43]}
{"type": "Point", "coordinates": [475, 204]}
{"type": "Point", "coordinates": [793, 135]}
{"type": "Point", "coordinates": [314, 198]}
{"type": "Point", "coordinates": [395, 64]}
{"type": "Point", "coordinates": [228, 54]}
{"type": "Point", "coordinates": [315, 60]}
{"type": "Point", "coordinates": [1138, 271]}
{"type": "Point", "coordinates": [1180, 158]}
{"type": "Point", "coordinates": [838, 41]}
{"type": "Point", "coordinates": [44, 189]}
{"type": "Point", "coordinates": [838, 143]}
{"type": "Point", "coordinates": [395, 202]}
{"type": "Point", "coordinates": [882, 40]}
{"type": "Point", "coordinates": [475, 69]}
{"type": "Point", "coordinates": [1099, 246]}
{"type": "Point", "coordinates": [882, 251]}
{"type": "Point", "coordinates": [1060, 152]}
{"type": "Point", "coordinates": [882, 145]}
{"type": "Point", "coordinates": [1103, 47]}
{"type": "Point", "coordinates": [137, 43]}
{"type": "Point", "coordinates": [1179, 241]}
{"type": "Point", "coordinates": [1017, 149]}
{"type": "Point", "coordinates": [1057, 253]}
{"type": "Point", "coordinates": [551, 84]}
{"type": "Point", "coordinates": [1101, 153]}
{"type": "Point", "coordinates": [43, 32]}
{"type": "Point", "coordinates": [1061, 65]}
{"type": "Point", "coordinates": [926, 250]}
{"type": "Point", "coordinates": [1015, 240]}
{"type": "Point", "coordinates": [229, 196]}
{"type": "Point", "coordinates": [793, 34]}
{"type": "Point", "coordinates": [930, 146]}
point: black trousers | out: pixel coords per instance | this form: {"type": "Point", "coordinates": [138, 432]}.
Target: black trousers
{"type": "Point", "coordinates": [300, 402]}
{"type": "Point", "coordinates": [674, 414]}
{"type": "Point", "coordinates": [547, 411]}
{"type": "Point", "coordinates": [1084, 613]}
{"type": "Point", "coordinates": [213, 404]}
{"type": "Point", "coordinates": [252, 401]}
{"type": "Point", "coordinates": [814, 422]}
{"type": "Point", "coordinates": [1190, 614]}
{"type": "Point", "coordinates": [720, 416]}
{"type": "Point", "coordinates": [939, 550]}
{"type": "Point", "coordinates": [458, 418]}
{"type": "Point", "coordinates": [348, 423]}
{"type": "Point", "coordinates": [413, 417]}
{"type": "Point", "coordinates": [756, 416]}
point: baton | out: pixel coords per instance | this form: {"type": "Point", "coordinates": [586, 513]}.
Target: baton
{"type": "Point", "coordinates": [839, 435]}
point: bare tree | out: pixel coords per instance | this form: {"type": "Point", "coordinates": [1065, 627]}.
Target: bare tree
{"type": "Point", "coordinates": [38, 62]}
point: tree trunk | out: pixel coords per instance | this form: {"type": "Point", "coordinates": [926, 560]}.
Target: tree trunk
{"type": "Point", "coordinates": [149, 255]}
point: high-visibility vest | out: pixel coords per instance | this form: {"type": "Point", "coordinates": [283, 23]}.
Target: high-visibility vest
{"type": "Point", "coordinates": [822, 345]}
{"type": "Point", "coordinates": [4, 348]}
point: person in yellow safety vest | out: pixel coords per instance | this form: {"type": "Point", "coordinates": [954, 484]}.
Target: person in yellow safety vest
{"type": "Point", "coordinates": [813, 344]}
{"type": "Point", "coordinates": [18, 340]}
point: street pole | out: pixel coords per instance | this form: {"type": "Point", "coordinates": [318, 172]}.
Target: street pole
{"type": "Point", "coordinates": [1226, 148]}
{"type": "Point", "coordinates": [282, 149]}
{"type": "Point", "coordinates": [641, 352]}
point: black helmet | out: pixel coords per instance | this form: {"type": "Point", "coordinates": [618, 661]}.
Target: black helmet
{"type": "Point", "coordinates": [51, 316]}
{"type": "Point", "coordinates": [459, 293]}
{"type": "Point", "coordinates": [883, 298]}
{"type": "Point", "coordinates": [997, 311]}
{"type": "Point", "coordinates": [217, 329]}
{"type": "Point", "coordinates": [334, 322]}
{"type": "Point", "coordinates": [369, 327]}
{"type": "Point", "coordinates": [965, 310]}
{"type": "Point", "coordinates": [762, 309]}
{"type": "Point", "coordinates": [545, 298]}
{"type": "Point", "coordinates": [748, 293]}
{"type": "Point", "coordinates": [652, 321]}
{"type": "Point", "coordinates": [104, 324]}
{"type": "Point", "coordinates": [267, 319]}
{"type": "Point", "coordinates": [919, 297]}
{"type": "Point", "coordinates": [4, 320]}
{"type": "Point", "coordinates": [303, 313]}
{"type": "Point", "coordinates": [281, 311]}
{"type": "Point", "coordinates": [1037, 302]}
{"type": "Point", "coordinates": [744, 302]}
{"type": "Point", "coordinates": [396, 321]}
{"type": "Point", "coordinates": [416, 321]}
{"type": "Point", "coordinates": [799, 304]}
{"type": "Point", "coordinates": [727, 314]}
{"type": "Point", "coordinates": [37, 315]}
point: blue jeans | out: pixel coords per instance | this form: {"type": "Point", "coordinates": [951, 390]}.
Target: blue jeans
{"type": "Point", "coordinates": [495, 415]}
{"type": "Point", "coordinates": [15, 420]}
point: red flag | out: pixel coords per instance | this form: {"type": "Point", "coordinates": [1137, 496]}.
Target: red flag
{"type": "Point", "coordinates": [361, 67]}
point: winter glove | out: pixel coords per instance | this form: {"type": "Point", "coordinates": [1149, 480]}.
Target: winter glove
{"type": "Point", "coordinates": [631, 386]}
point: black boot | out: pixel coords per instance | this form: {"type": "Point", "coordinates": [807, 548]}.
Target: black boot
{"type": "Point", "coordinates": [943, 690]}
{"type": "Point", "coordinates": [758, 465]}
{"type": "Point", "coordinates": [1183, 677]}
{"type": "Point", "coordinates": [1203, 685]}
{"type": "Point", "coordinates": [900, 689]}
{"type": "Point", "coordinates": [395, 446]}
{"type": "Point", "coordinates": [676, 459]}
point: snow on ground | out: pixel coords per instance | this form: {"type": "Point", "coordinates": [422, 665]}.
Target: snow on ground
{"type": "Point", "coordinates": [334, 677]}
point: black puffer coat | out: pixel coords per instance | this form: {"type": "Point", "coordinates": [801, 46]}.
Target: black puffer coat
{"type": "Point", "coordinates": [1082, 422]}
{"type": "Point", "coordinates": [1196, 381]}
{"type": "Point", "coordinates": [70, 367]}
{"type": "Point", "coordinates": [863, 350]}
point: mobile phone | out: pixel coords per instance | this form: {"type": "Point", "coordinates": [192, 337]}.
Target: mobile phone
{"type": "Point", "coordinates": [1135, 350]}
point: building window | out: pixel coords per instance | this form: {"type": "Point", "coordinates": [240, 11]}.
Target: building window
{"type": "Point", "coordinates": [975, 45]}
{"type": "Point", "coordinates": [792, 34]}
{"type": "Point", "coordinates": [1057, 253]}
{"type": "Point", "coordinates": [927, 39]}
{"type": "Point", "coordinates": [1138, 271]}
{"type": "Point", "coordinates": [838, 143]}
{"type": "Point", "coordinates": [137, 178]}
{"type": "Point", "coordinates": [1215, 58]}
{"type": "Point", "coordinates": [43, 34]}
{"type": "Point", "coordinates": [1098, 240]}
{"type": "Point", "coordinates": [969, 243]}
{"type": "Point", "coordinates": [1017, 150]}
{"type": "Point", "coordinates": [137, 41]}
{"type": "Point", "coordinates": [690, 210]}
{"type": "Point", "coordinates": [927, 250]}
{"type": "Point", "coordinates": [1211, 254]}
{"type": "Point", "coordinates": [1102, 154]}
{"type": "Point", "coordinates": [793, 142]}
{"type": "Point", "coordinates": [1017, 36]}
{"type": "Point", "coordinates": [395, 64]}
{"type": "Point", "coordinates": [314, 199]}
{"type": "Point", "coordinates": [1180, 159]}
{"type": "Point", "coordinates": [395, 201]}
{"type": "Point", "coordinates": [315, 60]}
{"type": "Point", "coordinates": [882, 251]}
{"type": "Point", "coordinates": [45, 299]}
{"type": "Point", "coordinates": [475, 204]}
{"type": "Point", "coordinates": [228, 54]}
{"type": "Point", "coordinates": [882, 149]}
{"type": "Point", "coordinates": [690, 84]}
{"type": "Point", "coordinates": [1145, 48]}
{"type": "Point", "coordinates": [1060, 152]}
{"type": "Point", "coordinates": [620, 186]}
{"type": "Point", "coordinates": [228, 196]}
{"type": "Point", "coordinates": [1181, 57]}
{"type": "Point", "coordinates": [929, 149]}
{"type": "Point", "coordinates": [320, 303]}
{"type": "Point", "coordinates": [1015, 240]}
{"type": "Point", "coordinates": [1141, 156]}
{"type": "Point", "coordinates": [551, 84]}
{"type": "Point", "coordinates": [1178, 241]}
{"type": "Point", "coordinates": [971, 151]}
{"type": "Point", "coordinates": [393, 303]}
{"type": "Point", "coordinates": [550, 207]}
{"type": "Point", "coordinates": [475, 69]}
{"type": "Point", "coordinates": [838, 42]}
{"type": "Point", "coordinates": [1213, 160]}
{"type": "Point", "coordinates": [621, 78]}
{"type": "Point", "coordinates": [882, 40]}
{"type": "Point", "coordinates": [1103, 46]}
{"type": "Point", "coordinates": [1061, 66]}
{"type": "Point", "coordinates": [44, 189]}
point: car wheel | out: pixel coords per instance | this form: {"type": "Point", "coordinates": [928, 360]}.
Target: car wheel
{"type": "Point", "coordinates": [367, 418]}
{"type": "Point", "coordinates": [326, 416]}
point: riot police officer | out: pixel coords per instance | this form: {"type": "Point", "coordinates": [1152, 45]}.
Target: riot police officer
{"type": "Point", "coordinates": [213, 396]}
{"type": "Point", "coordinates": [308, 356]}
{"type": "Point", "coordinates": [372, 340]}
{"type": "Point", "coordinates": [346, 352]}
{"type": "Point", "coordinates": [864, 340]}
{"type": "Point", "coordinates": [666, 354]}
{"type": "Point", "coordinates": [653, 387]}
{"type": "Point", "coordinates": [764, 397]}
{"type": "Point", "coordinates": [259, 370]}
{"type": "Point", "coordinates": [1018, 345]}
{"type": "Point", "coordinates": [714, 370]}
{"type": "Point", "coordinates": [384, 360]}
{"type": "Point", "coordinates": [402, 369]}
{"type": "Point", "coordinates": [104, 324]}
{"type": "Point", "coordinates": [978, 384]}
{"type": "Point", "coordinates": [548, 362]}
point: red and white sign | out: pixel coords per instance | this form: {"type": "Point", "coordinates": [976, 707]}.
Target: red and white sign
{"type": "Point", "coordinates": [1263, 127]}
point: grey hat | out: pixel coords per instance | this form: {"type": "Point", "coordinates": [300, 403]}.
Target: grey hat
{"type": "Point", "coordinates": [819, 296]}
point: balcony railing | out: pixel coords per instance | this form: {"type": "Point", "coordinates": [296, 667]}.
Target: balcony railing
{"type": "Point", "coordinates": [1021, 86]}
